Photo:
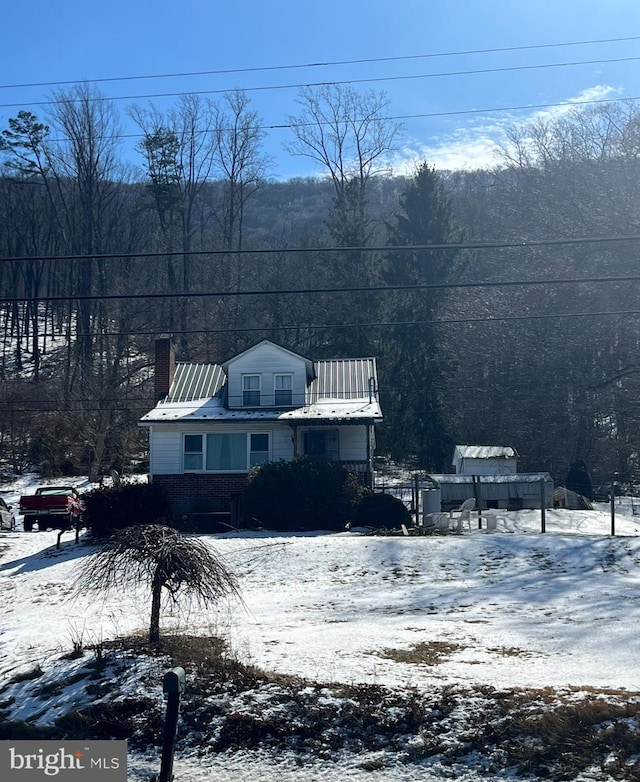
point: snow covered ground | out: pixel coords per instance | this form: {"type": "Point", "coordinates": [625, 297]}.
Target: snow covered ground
{"type": "Point", "coordinates": [510, 609]}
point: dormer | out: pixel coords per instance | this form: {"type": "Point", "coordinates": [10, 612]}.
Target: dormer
{"type": "Point", "coordinates": [267, 376]}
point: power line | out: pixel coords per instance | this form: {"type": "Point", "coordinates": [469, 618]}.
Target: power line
{"type": "Point", "coordinates": [361, 61]}
{"type": "Point", "coordinates": [351, 325]}
{"type": "Point", "coordinates": [298, 85]}
{"type": "Point", "coordinates": [146, 400]}
{"type": "Point", "coordinates": [454, 113]}
{"type": "Point", "coordinates": [424, 115]}
{"type": "Point", "coordinates": [453, 246]}
{"type": "Point", "coordinates": [318, 291]}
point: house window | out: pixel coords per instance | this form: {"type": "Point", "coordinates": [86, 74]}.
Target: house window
{"type": "Point", "coordinates": [251, 390]}
{"type": "Point", "coordinates": [193, 452]}
{"type": "Point", "coordinates": [226, 451]}
{"type": "Point", "coordinates": [283, 387]}
{"type": "Point", "coordinates": [258, 449]}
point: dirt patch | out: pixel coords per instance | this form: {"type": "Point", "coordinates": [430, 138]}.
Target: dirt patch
{"type": "Point", "coordinates": [428, 653]}
{"type": "Point", "coordinates": [512, 651]}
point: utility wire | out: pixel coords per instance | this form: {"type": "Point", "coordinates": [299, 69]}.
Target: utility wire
{"type": "Point", "coordinates": [317, 291]}
{"type": "Point", "coordinates": [405, 248]}
{"type": "Point", "coordinates": [425, 115]}
{"type": "Point", "coordinates": [352, 325]}
{"type": "Point", "coordinates": [455, 113]}
{"type": "Point", "coordinates": [298, 85]}
{"type": "Point", "coordinates": [361, 61]}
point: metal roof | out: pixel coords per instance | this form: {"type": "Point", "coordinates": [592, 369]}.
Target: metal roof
{"type": "Point", "coordinates": [195, 381]}
{"type": "Point", "coordinates": [343, 390]}
{"type": "Point", "coordinates": [356, 411]}
{"type": "Point", "coordinates": [347, 378]}
{"type": "Point", "coordinates": [342, 379]}
{"type": "Point", "coordinates": [520, 477]}
{"type": "Point", "coordinates": [486, 452]}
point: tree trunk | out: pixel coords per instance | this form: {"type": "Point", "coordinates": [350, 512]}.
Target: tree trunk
{"type": "Point", "coordinates": [156, 595]}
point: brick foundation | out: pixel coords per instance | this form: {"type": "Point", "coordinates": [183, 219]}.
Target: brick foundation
{"type": "Point", "coordinates": [200, 495]}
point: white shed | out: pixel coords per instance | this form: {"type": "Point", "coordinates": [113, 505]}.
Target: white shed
{"type": "Point", "coordinates": [485, 460]}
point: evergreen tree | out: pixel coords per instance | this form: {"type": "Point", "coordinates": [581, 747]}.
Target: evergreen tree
{"type": "Point", "coordinates": [412, 367]}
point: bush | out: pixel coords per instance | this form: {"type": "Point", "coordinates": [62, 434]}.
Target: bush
{"type": "Point", "coordinates": [382, 511]}
{"type": "Point", "coordinates": [110, 509]}
{"type": "Point", "coordinates": [303, 495]}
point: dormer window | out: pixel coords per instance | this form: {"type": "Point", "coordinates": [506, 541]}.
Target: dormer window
{"type": "Point", "coordinates": [283, 390]}
{"type": "Point", "coordinates": [251, 390]}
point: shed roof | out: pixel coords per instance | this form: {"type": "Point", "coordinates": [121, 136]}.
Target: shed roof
{"type": "Point", "coordinates": [485, 452]}
{"type": "Point", "coordinates": [520, 477]}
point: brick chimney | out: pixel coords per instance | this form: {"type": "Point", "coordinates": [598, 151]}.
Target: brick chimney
{"type": "Point", "coordinates": [165, 366]}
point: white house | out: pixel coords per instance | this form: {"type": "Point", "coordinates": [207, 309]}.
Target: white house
{"type": "Point", "coordinates": [214, 422]}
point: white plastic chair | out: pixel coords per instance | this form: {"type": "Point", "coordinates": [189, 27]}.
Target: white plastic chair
{"type": "Point", "coordinates": [465, 513]}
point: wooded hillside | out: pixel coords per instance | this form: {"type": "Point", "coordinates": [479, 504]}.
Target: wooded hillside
{"type": "Point", "coordinates": [524, 331]}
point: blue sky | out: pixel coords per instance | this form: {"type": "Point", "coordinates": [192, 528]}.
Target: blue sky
{"type": "Point", "coordinates": [72, 41]}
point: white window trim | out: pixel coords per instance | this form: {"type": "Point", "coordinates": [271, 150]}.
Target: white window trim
{"type": "Point", "coordinates": [203, 452]}
{"type": "Point", "coordinates": [275, 389]}
{"type": "Point", "coordinates": [249, 451]}
{"type": "Point", "coordinates": [252, 390]}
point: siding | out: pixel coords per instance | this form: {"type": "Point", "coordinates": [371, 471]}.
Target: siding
{"type": "Point", "coordinates": [166, 442]}
{"type": "Point", "coordinates": [282, 444]}
{"type": "Point", "coordinates": [165, 450]}
{"type": "Point", "coordinates": [266, 361]}
{"type": "Point", "coordinates": [488, 467]}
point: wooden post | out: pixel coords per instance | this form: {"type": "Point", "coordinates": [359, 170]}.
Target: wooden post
{"type": "Point", "coordinates": [543, 509]}
{"type": "Point", "coordinates": [613, 505]}
{"type": "Point", "coordinates": [477, 493]}
{"type": "Point", "coordinates": [173, 686]}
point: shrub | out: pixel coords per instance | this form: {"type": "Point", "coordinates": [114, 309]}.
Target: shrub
{"type": "Point", "coordinates": [110, 509]}
{"type": "Point", "coordinates": [382, 511]}
{"type": "Point", "coordinates": [304, 494]}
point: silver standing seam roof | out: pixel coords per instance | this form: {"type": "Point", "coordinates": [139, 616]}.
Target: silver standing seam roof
{"type": "Point", "coordinates": [348, 378]}
{"type": "Point", "coordinates": [519, 477]}
{"type": "Point", "coordinates": [195, 381]}
{"type": "Point", "coordinates": [344, 390]}
{"type": "Point", "coordinates": [486, 451]}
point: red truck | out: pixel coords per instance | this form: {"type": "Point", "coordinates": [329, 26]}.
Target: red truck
{"type": "Point", "coordinates": [55, 507]}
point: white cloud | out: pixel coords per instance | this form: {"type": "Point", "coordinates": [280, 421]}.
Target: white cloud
{"type": "Point", "coordinates": [477, 144]}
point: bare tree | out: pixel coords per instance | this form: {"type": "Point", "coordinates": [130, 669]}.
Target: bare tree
{"type": "Point", "coordinates": [350, 136]}
{"type": "Point", "coordinates": [179, 149]}
{"type": "Point", "coordinates": [163, 559]}
{"type": "Point", "coordinates": [240, 162]}
{"type": "Point", "coordinates": [71, 168]}
{"type": "Point", "coordinates": [84, 167]}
